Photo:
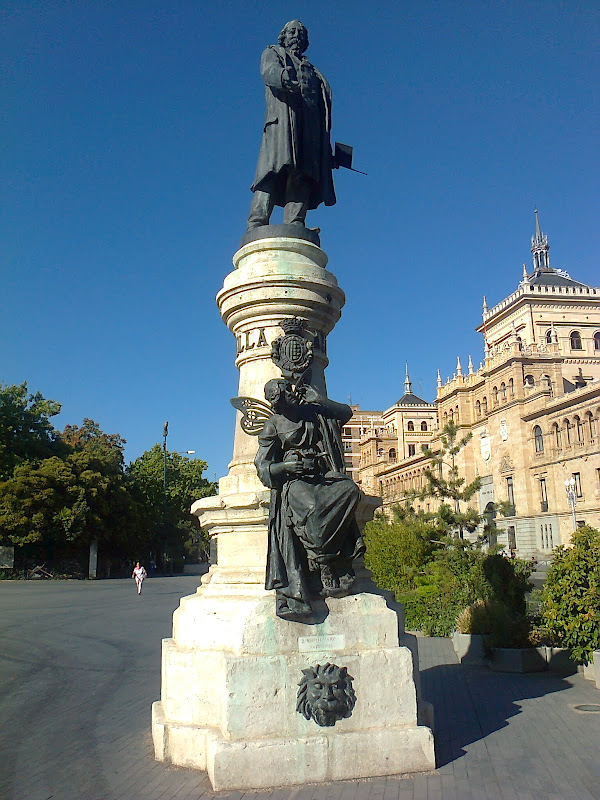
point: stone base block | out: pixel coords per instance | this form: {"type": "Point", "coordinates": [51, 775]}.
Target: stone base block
{"type": "Point", "coordinates": [230, 678]}
{"type": "Point", "coordinates": [267, 763]}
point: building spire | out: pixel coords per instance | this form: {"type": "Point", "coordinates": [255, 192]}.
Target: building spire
{"type": "Point", "coordinates": [407, 383]}
{"type": "Point", "coordinates": [540, 249]}
{"type": "Point", "coordinates": [470, 365]}
{"type": "Point", "coordinates": [485, 305]}
{"type": "Point", "coordinates": [458, 366]}
{"type": "Point", "coordinates": [439, 380]}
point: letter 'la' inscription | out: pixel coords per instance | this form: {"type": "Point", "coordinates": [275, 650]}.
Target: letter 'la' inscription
{"type": "Point", "coordinates": [251, 339]}
{"type": "Point", "coordinates": [256, 338]}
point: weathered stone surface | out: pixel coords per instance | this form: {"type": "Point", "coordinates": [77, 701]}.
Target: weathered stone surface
{"type": "Point", "coordinates": [231, 674]}
{"type": "Point", "coordinates": [231, 670]}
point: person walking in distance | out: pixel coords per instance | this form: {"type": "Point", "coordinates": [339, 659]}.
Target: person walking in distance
{"type": "Point", "coordinates": [139, 573]}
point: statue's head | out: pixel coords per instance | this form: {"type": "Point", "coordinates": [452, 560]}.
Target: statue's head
{"type": "Point", "coordinates": [278, 391]}
{"type": "Point", "coordinates": [294, 37]}
{"type": "Point", "coordinates": [326, 694]}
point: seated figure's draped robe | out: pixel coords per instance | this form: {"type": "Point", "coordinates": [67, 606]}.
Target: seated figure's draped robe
{"type": "Point", "coordinates": [312, 520]}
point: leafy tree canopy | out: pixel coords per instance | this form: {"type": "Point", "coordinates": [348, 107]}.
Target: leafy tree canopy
{"type": "Point", "coordinates": [26, 433]}
{"type": "Point", "coordinates": [571, 595]}
{"type": "Point", "coordinates": [171, 520]}
{"type": "Point", "coordinates": [79, 497]}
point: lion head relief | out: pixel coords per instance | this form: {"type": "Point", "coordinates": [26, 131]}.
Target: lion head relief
{"type": "Point", "coordinates": [326, 694]}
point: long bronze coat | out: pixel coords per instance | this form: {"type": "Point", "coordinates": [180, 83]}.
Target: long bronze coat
{"type": "Point", "coordinates": [296, 134]}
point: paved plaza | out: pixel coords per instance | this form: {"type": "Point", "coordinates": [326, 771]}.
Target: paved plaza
{"type": "Point", "coordinates": [80, 667]}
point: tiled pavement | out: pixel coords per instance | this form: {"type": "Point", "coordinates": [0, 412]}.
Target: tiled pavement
{"type": "Point", "coordinates": [79, 668]}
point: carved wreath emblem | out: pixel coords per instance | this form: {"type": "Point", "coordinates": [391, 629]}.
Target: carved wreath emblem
{"type": "Point", "coordinates": [293, 352]}
{"type": "Point", "coordinates": [326, 694]}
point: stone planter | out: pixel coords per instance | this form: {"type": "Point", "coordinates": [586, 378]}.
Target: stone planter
{"type": "Point", "coordinates": [559, 660]}
{"type": "Point", "coordinates": [591, 670]}
{"type": "Point", "coordinates": [469, 647]}
{"type": "Point", "coordinates": [518, 659]}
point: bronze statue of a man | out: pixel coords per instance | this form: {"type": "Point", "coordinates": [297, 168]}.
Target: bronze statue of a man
{"type": "Point", "coordinates": [295, 159]}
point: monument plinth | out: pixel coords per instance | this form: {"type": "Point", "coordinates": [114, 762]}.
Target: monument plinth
{"type": "Point", "coordinates": [257, 700]}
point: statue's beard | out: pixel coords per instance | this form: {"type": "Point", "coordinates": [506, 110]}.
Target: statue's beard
{"type": "Point", "coordinates": [295, 47]}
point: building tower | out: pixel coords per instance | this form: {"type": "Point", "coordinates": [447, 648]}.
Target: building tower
{"type": "Point", "coordinates": [540, 249]}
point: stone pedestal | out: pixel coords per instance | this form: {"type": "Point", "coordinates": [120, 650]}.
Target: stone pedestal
{"type": "Point", "coordinates": [230, 672]}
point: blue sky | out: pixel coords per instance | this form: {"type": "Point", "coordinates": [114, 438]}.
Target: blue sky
{"type": "Point", "coordinates": [131, 131]}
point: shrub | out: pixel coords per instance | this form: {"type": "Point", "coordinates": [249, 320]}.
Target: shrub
{"type": "Point", "coordinates": [473, 619]}
{"type": "Point", "coordinates": [397, 551]}
{"type": "Point", "coordinates": [436, 580]}
{"type": "Point", "coordinates": [429, 611]}
{"type": "Point", "coordinates": [496, 621]}
{"type": "Point", "coordinates": [571, 596]}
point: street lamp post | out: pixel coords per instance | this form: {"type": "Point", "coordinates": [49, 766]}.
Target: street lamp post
{"type": "Point", "coordinates": [571, 498]}
{"type": "Point", "coordinates": [182, 452]}
{"type": "Point", "coordinates": [165, 434]}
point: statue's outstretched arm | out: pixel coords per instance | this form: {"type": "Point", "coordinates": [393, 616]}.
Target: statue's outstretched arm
{"type": "Point", "coordinates": [339, 411]}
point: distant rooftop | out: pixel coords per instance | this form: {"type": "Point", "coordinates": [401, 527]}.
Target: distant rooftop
{"type": "Point", "coordinates": [410, 399]}
{"type": "Point", "coordinates": [548, 276]}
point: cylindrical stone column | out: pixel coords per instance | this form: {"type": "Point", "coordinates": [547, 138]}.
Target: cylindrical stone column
{"type": "Point", "coordinates": [274, 279]}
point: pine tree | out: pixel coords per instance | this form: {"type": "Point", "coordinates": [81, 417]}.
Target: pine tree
{"type": "Point", "coordinates": [443, 481]}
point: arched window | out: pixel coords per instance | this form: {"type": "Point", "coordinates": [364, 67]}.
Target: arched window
{"type": "Point", "coordinates": [392, 454]}
{"type": "Point", "coordinates": [597, 342]}
{"type": "Point", "coordinates": [410, 426]}
{"type": "Point", "coordinates": [578, 429]}
{"type": "Point", "coordinates": [445, 417]}
{"type": "Point", "coordinates": [557, 436]}
{"type": "Point", "coordinates": [549, 337]}
{"type": "Point", "coordinates": [456, 413]}
{"type": "Point", "coordinates": [484, 405]}
{"type": "Point", "coordinates": [495, 395]}
{"type": "Point", "coordinates": [576, 341]}
{"type": "Point", "coordinates": [591, 425]}
{"type": "Point", "coordinates": [568, 430]}
{"type": "Point", "coordinates": [503, 392]}
{"type": "Point", "coordinates": [529, 380]}
{"type": "Point", "coordinates": [478, 408]}
{"type": "Point", "coordinates": [539, 439]}
{"type": "Point", "coordinates": [511, 387]}
{"type": "Point", "coordinates": [423, 426]}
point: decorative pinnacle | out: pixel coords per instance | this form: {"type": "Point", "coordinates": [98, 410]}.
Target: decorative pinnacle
{"type": "Point", "coordinates": [458, 366]}
{"type": "Point", "coordinates": [470, 365]}
{"type": "Point", "coordinates": [540, 249]}
{"type": "Point", "coordinates": [439, 380]}
{"type": "Point", "coordinates": [485, 305]}
{"type": "Point", "coordinates": [538, 230]}
{"type": "Point", "coordinates": [525, 275]}
{"type": "Point", "coordinates": [407, 383]}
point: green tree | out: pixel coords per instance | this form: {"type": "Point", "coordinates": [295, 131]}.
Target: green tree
{"type": "Point", "coordinates": [452, 488]}
{"type": "Point", "coordinates": [166, 516]}
{"type": "Point", "coordinates": [398, 550]}
{"type": "Point", "coordinates": [26, 433]}
{"type": "Point", "coordinates": [571, 595]}
{"type": "Point", "coordinates": [62, 504]}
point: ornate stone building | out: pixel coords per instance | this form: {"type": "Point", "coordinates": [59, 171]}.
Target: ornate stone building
{"type": "Point", "coordinates": [532, 408]}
